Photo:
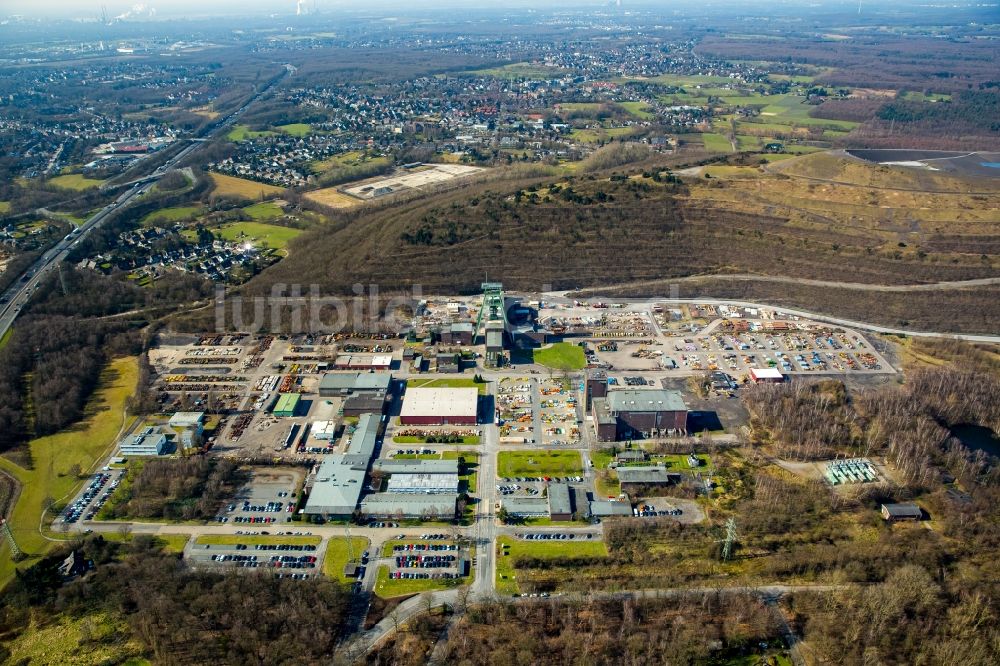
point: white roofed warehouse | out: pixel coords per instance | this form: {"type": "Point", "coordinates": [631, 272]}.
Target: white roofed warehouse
{"type": "Point", "coordinates": [440, 406]}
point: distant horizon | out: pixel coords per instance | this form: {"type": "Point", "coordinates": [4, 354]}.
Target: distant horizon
{"type": "Point", "coordinates": [151, 9]}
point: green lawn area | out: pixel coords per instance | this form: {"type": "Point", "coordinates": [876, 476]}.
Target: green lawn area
{"type": "Point", "coordinates": [74, 181]}
{"type": "Point", "coordinates": [598, 135]}
{"type": "Point", "coordinates": [175, 214]}
{"type": "Point", "coordinates": [254, 539]}
{"type": "Point", "coordinates": [387, 588]}
{"type": "Point", "coordinates": [546, 462]}
{"type": "Point", "coordinates": [243, 132]}
{"type": "Point", "coordinates": [259, 234]}
{"type": "Point", "coordinates": [674, 462]}
{"type": "Point", "coordinates": [346, 160]}
{"type": "Point", "coordinates": [172, 543]}
{"type": "Point", "coordinates": [4, 207]}
{"type": "Point", "coordinates": [296, 129]}
{"type": "Point", "coordinates": [264, 212]}
{"type": "Point", "coordinates": [638, 109]}
{"type": "Point", "coordinates": [716, 143]}
{"type": "Point", "coordinates": [338, 554]}
{"type": "Point", "coordinates": [509, 549]}
{"type": "Point", "coordinates": [92, 639]}
{"type": "Point", "coordinates": [471, 465]}
{"type": "Point", "coordinates": [561, 356]}
{"type": "Point", "coordinates": [83, 444]}
{"type": "Point", "coordinates": [455, 382]}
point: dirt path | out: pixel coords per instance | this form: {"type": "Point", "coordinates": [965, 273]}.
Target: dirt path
{"type": "Point", "coordinates": [781, 279]}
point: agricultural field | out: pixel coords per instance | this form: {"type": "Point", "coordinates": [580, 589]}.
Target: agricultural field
{"type": "Point", "coordinates": [638, 109]}
{"type": "Point", "coordinates": [243, 132]}
{"type": "Point", "coordinates": [353, 158]}
{"type": "Point", "coordinates": [510, 549]}
{"type": "Point", "coordinates": [560, 356]}
{"type": "Point", "coordinates": [338, 554]}
{"type": "Point", "coordinates": [600, 135]}
{"type": "Point", "coordinates": [295, 129]}
{"type": "Point", "coordinates": [53, 456]}
{"type": "Point", "coordinates": [260, 234]}
{"type": "Point", "coordinates": [267, 211]}
{"type": "Point", "coordinates": [539, 463]}
{"type": "Point", "coordinates": [240, 187]}
{"type": "Point", "coordinates": [716, 143]}
{"type": "Point", "coordinates": [74, 181]}
{"type": "Point", "coordinates": [333, 197]}
{"type": "Point", "coordinates": [169, 215]}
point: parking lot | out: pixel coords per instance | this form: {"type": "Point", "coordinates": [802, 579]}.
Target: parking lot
{"type": "Point", "coordinates": [433, 557]}
{"type": "Point", "coordinates": [269, 498]}
{"type": "Point", "coordinates": [93, 496]}
{"type": "Point", "coordinates": [291, 557]}
{"type": "Point", "coordinates": [557, 536]}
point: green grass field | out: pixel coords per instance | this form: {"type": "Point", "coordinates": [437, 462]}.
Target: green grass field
{"type": "Point", "coordinates": [172, 543]}
{"type": "Point", "coordinates": [4, 207]}
{"type": "Point", "coordinates": [509, 549]}
{"type": "Point", "coordinates": [267, 211]}
{"type": "Point", "coordinates": [539, 463]}
{"type": "Point", "coordinates": [716, 143]}
{"type": "Point", "coordinates": [82, 444]}
{"type": "Point", "coordinates": [387, 588]}
{"type": "Point", "coordinates": [175, 214]}
{"type": "Point", "coordinates": [338, 554]}
{"type": "Point", "coordinates": [561, 356]}
{"type": "Point", "coordinates": [296, 129]}
{"type": "Point", "coordinates": [74, 181]}
{"type": "Point", "coordinates": [259, 234]}
{"type": "Point", "coordinates": [599, 135]}
{"type": "Point", "coordinates": [638, 109]}
{"type": "Point", "coordinates": [93, 639]}
{"type": "Point", "coordinates": [456, 382]}
{"type": "Point", "coordinates": [243, 132]}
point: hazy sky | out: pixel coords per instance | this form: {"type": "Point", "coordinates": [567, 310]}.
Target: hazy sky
{"type": "Point", "coordinates": [71, 8]}
{"type": "Point", "coordinates": [92, 8]}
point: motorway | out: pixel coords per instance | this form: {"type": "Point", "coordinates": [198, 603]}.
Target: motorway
{"type": "Point", "coordinates": [19, 293]}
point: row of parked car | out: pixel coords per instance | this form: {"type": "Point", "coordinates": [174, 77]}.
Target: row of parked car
{"type": "Point", "coordinates": [554, 536]}
{"type": "Point", "coordinates": [424, 561]}
{"type": "Point", "coordinates": [414, 575]}
{"type": "Point", "coordinates": [424, 546]}
{"type": "Point", "coordinates": [540, 479]}
{"type": "Point", "coordinates": [97, 485]}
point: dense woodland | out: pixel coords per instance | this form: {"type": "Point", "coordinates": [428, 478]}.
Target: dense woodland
{"type": "Point", "coordinates": [54, 358]}
{"type": "Point", "coordinates": [175, 489]}
{"type": "Point", "coordinates": [184, 616]}
{"type": "Point", "coordinates": [683, 630]}
{"type": "Point", "coordinates": [912, 425]}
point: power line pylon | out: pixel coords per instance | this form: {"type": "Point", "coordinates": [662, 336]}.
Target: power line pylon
{"type": "Point", "coordinates": [15, 550]}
